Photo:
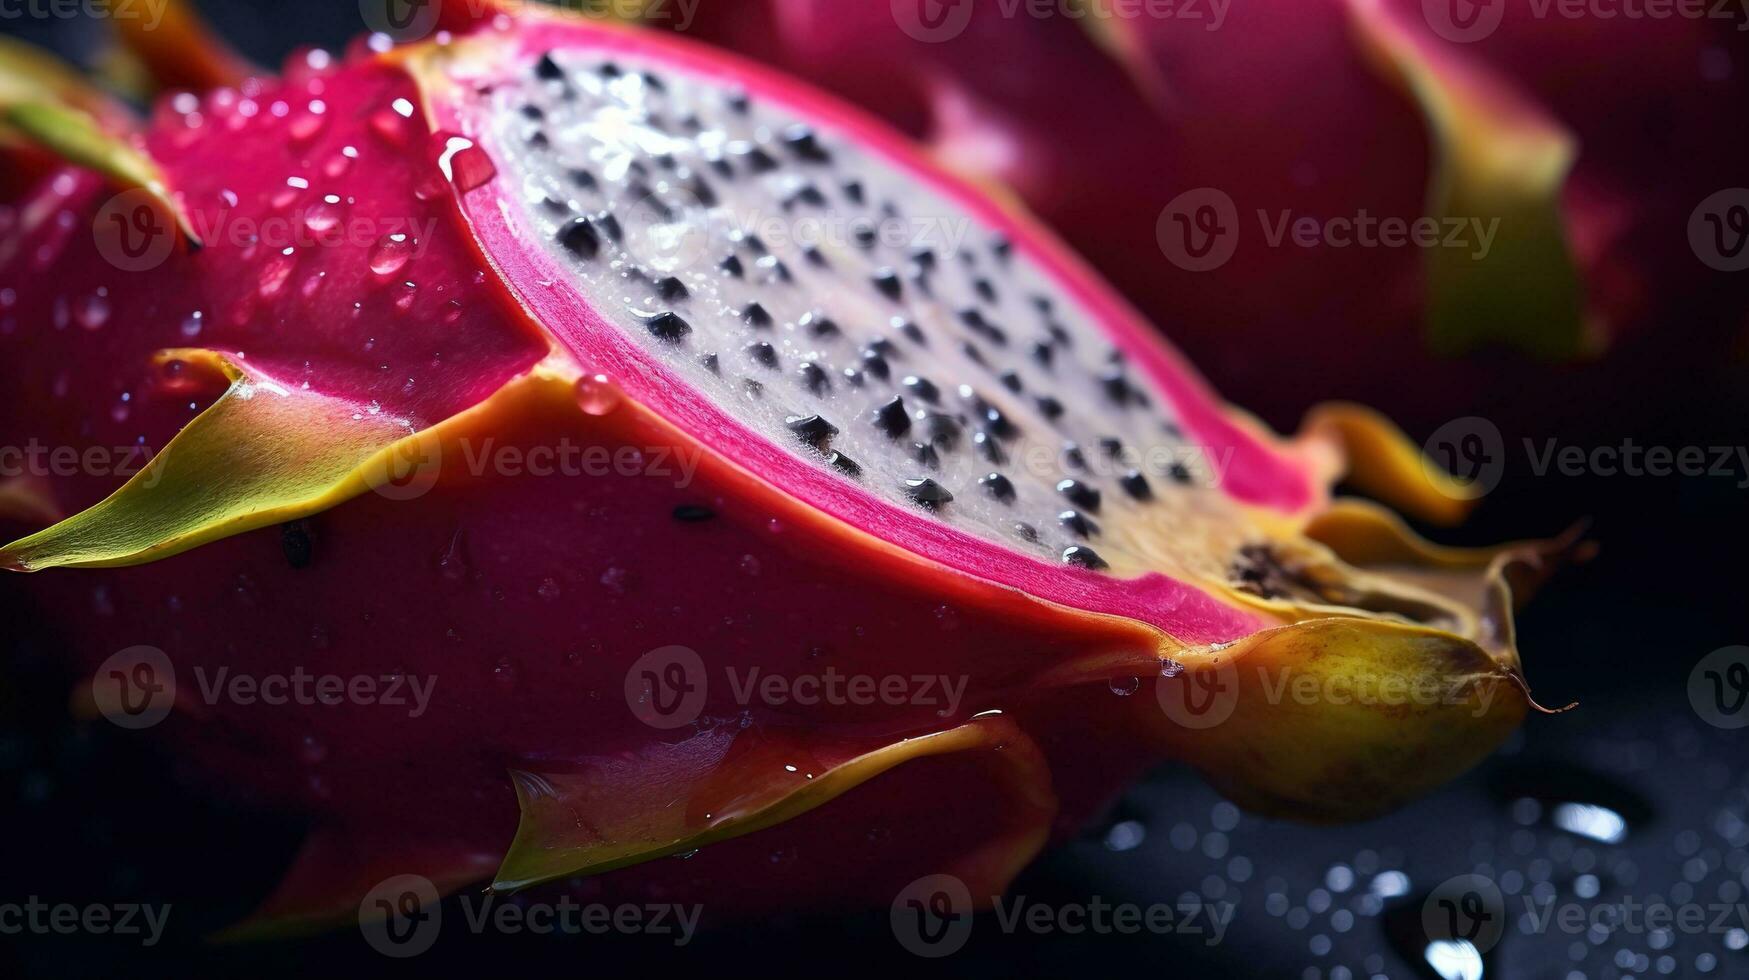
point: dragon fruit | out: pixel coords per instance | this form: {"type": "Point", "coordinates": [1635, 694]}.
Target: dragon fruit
{"type": "Point", "coordinates": [609, 395]}
{"type": "Point", "coordinates": [1550, 122]}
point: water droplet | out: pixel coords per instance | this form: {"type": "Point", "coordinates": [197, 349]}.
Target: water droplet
{"type": "Point", "coordinates": [614, 581]}
{"type": "Point", "coordinates": [1123, 687]}
{"type": "Point", "coordinates": [275, 271]}
{"type": "Point", "coordinates": [549, 589]}
{"type": "Point", "coordinates": [92, 311]}
{"type": "Point", "coordinates": [391, 254]}
{"type": "Point", "coordinates": [463, 164]}
{"type": "Point", "coordinates": [597, 394]}
{"type": "Point", "coordinates": [749, 565]}
{"type": "Point", "coordinates": [311, 750]}
{"type": "Point", "coordinates": [321, 218]}
{"type": "Point", "coordinates": [191, 325]}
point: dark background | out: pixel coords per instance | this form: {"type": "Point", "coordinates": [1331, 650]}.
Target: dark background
{"type": "Point", "coordinates": [92, 814]}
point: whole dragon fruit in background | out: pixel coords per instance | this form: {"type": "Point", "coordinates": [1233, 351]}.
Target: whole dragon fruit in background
{"type": "Point", "coordinates": [1592, 140]}
{"type": "Point", "coordinates": [614, 393]}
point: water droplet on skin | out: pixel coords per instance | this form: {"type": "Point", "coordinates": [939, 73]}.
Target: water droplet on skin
{"type": "Point", "coordinates": [549, 589]}
{"type": "Point", "coordinates": [504, 674]}
{"type": "Point", "coordinates": [947, 617]}
{"type": "Point", "coordinates": [340, 163]}
{"type": "Point", "coordinates": [92, 311]}
{"type": "Point", "coordinates": [321, 218]}
{"type": "Point", "coordinates": [274, 273]}
{"type": "Point", "coordinates": [305, 127]}
{"type": "Point", "coordinates": [311, 750]}
{"type": "Point", "coordinates": [614, 581]}
{"type": "Point", "coordinates": [191, 325]}
{"type": "Point", "coordinates": [597, 394]}
{"type": "Point", "coordinates": [1123, 687]}
{"type": "Point", "coordinates": [749, 566]}
{"type": "Point", "coordinates": [389, 127]}
{"type": "Point", "coordinates": [391, 255]}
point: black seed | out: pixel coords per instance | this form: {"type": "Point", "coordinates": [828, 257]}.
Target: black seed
{"type": "Point", "coordinates": [1083, 556]}
{"type": "Point", "coordinates": [973, 354]}
{"type": "Point", "coordinates": [967, 258]}
{"type": "Point", "coordinates": [641, 193]}
{"type": "Point", "coordinates": [913, 333]}
{"type": "Point", "coordinates": [924, 257]}
{"type": "Point", "coordinates": [844, 464]}
{"type": "Point", "coordinates": [693, 513]}
{"type": "Point", "coordinates": [295, 542]}
{"type": "Point", "coordinates": [802, 142]}
{"type": "Point", "coordinates": [815, 378]}
{"type": "Point", "coordinates": [583, 179]}
{"type": "Point", "coordinates": [812, 430]}
{"type": "Point", "coordinates": [774, 265]}
{"type": "Point", "coordinates": [1043, 304]}
{"type": "Point", "coordinates": [1000, 423]}
{"type": "Point", "coordinates": [892, 418]}
{"type": "Point", "coordinates": [875, 364]}
{"type": "Point", "coordinates": [887, 281]}
{"type": "Point", "coordinates": [710, 363]}
{"type": "Point", "coordinates": [854, 377]}
{"type": "Point", "coordinates": [864, 235]}
{"type": "Point", "coordinates": [944, 430]}
{"type": "Point", "coordinates": [985, 290]}
{"type": "Point", "coordinates": [738, 102]}
{"type": "Point", "coordinates": [1049, 407]}
{"type": "Point", "coordinates": [691, 123]}
{"type": "Point", "coordinates": [580, 238]}
{"type": "Point", "coordinates": [928, 493]}
{"type": "Point", "coordinates": [609, 226]}
{"type": "Point", "coordinates": [754, 388]}
{"type": "Point", "coordinates": [998, 486]}
{"type": "Point", "coordinates": [760, 161]}
{"type": "Point", "coordinates": [671, 288]}
{"type": "Point", "coordinates": [815, 257]}
{"type": "Point", "coordinates": [989, 448]}
{"type": "Point", "coordinates": [1002, 248]}
{"type": "Point", "coordinates": [532, 111]}
{"type": "Point", "coordinates": [1136, 485]}
{"type": "Point", "coordinates": [668, 326]}
{"type": "Point", "coordinates": [974, 320]}
{"type": "Point", "coordinates": [538, 140]}
{"type": "Point", "coordinates": [665, 161]}
{"type": "Point", "coordinates": [883, 347]}
{"type": "Point", "coordinates": [853, 191]}
{"type": "Point", "coordinates": [1171, 429]}
{"type": "Point", "coordinates": [638, 169]}
{"type": "Point", "coordinates": [1072, 456]}
{"type": "Point", "coordinates": [653, 82]}
{"type": "Point", "coordinates": [1116, 385]}
{"type": "Point", "coordinates": [923, 388]}
{"type": "Point", "coordinates": [1025, 531]}
{"type": "Point", "coordinates": [925, 453]}
{"type": "Point", "coordinates": [608, 70]}
{"type": "Point", "coordinates": [818, 324]}
{"type": "Point", "coordinates": [1010, 380]}
{"type": "Point", "coordinates": [754, 315]}
{"type": "Point", "coordinates": [555, 205]}
{"type": "Point", "coordinates": [732, 265]}
{"type": "Point", "coordinates": [702, 190]}
{"type": "Point", "coordinates": [1111, 447]}
{"type": "Point", "coordinates": [547, 68]}
{"type": "Point", "coordinates": [1078, 522]}
{"type": "Point", "coordinates": [805, 194]}
{"type": "Point", "coordinates": [1180, 473]}
{"type": "Point", "coordinates": [1042, 352]}
{"type": "Point", "coordinates": [1059, 335]}
{"type": "Point", "coordinates": [722, 166]}
{"type": "Point", "coordinates": [1080, 494]}
{"type": "Point", "coordinates": [762, 352]}
{"type": "Point", "coordinates": [754, 243]}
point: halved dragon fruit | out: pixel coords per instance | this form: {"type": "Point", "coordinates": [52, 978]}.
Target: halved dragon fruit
{"type": "Point", "coordinates": [614, 393]}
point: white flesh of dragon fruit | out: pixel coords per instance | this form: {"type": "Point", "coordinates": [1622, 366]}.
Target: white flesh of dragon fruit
{"type": "Point", "coordinates": [844, 310]}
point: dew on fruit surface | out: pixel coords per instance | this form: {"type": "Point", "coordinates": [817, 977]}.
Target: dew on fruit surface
{"type": "Point", "coordinates": [311, 750]}
{"type": "Point", "coordinates": [319, 219]}
{"type": "Point", "coordinates": [308, 124]}
{"type": "Point", "coordinates": [92, 310]}
{"type": "Point", "coordinates": [191, 324]}
{"type": "Point", "coordinates": [391, 254]}
{"type": "Point", "coordinates": [338, 164]}
{"type": "Point", "coordinates": [504, 674]}
{"type": "Point", "coordinates": [597, 394]}
{"type": "Point", "coordinates": [1123, 687]}
{"type": "Point", "coordinates": [749, 566]}
{"type": "Point", "coordinates": [463, 164]}
{"type": "Point", "coordinates": [275, 271]}
{"type": "Point", "coordinates": [614, 581]}
{"type": "Point", "coordinates": [453, 563]}
{"type": "Point", "coordinates": [947, 618]}
{"type": "Point", "coordinates": [548, 589]}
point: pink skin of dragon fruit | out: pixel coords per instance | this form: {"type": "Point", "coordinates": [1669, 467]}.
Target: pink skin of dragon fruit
{"type": "Point", "coordinates": [319, 505]}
